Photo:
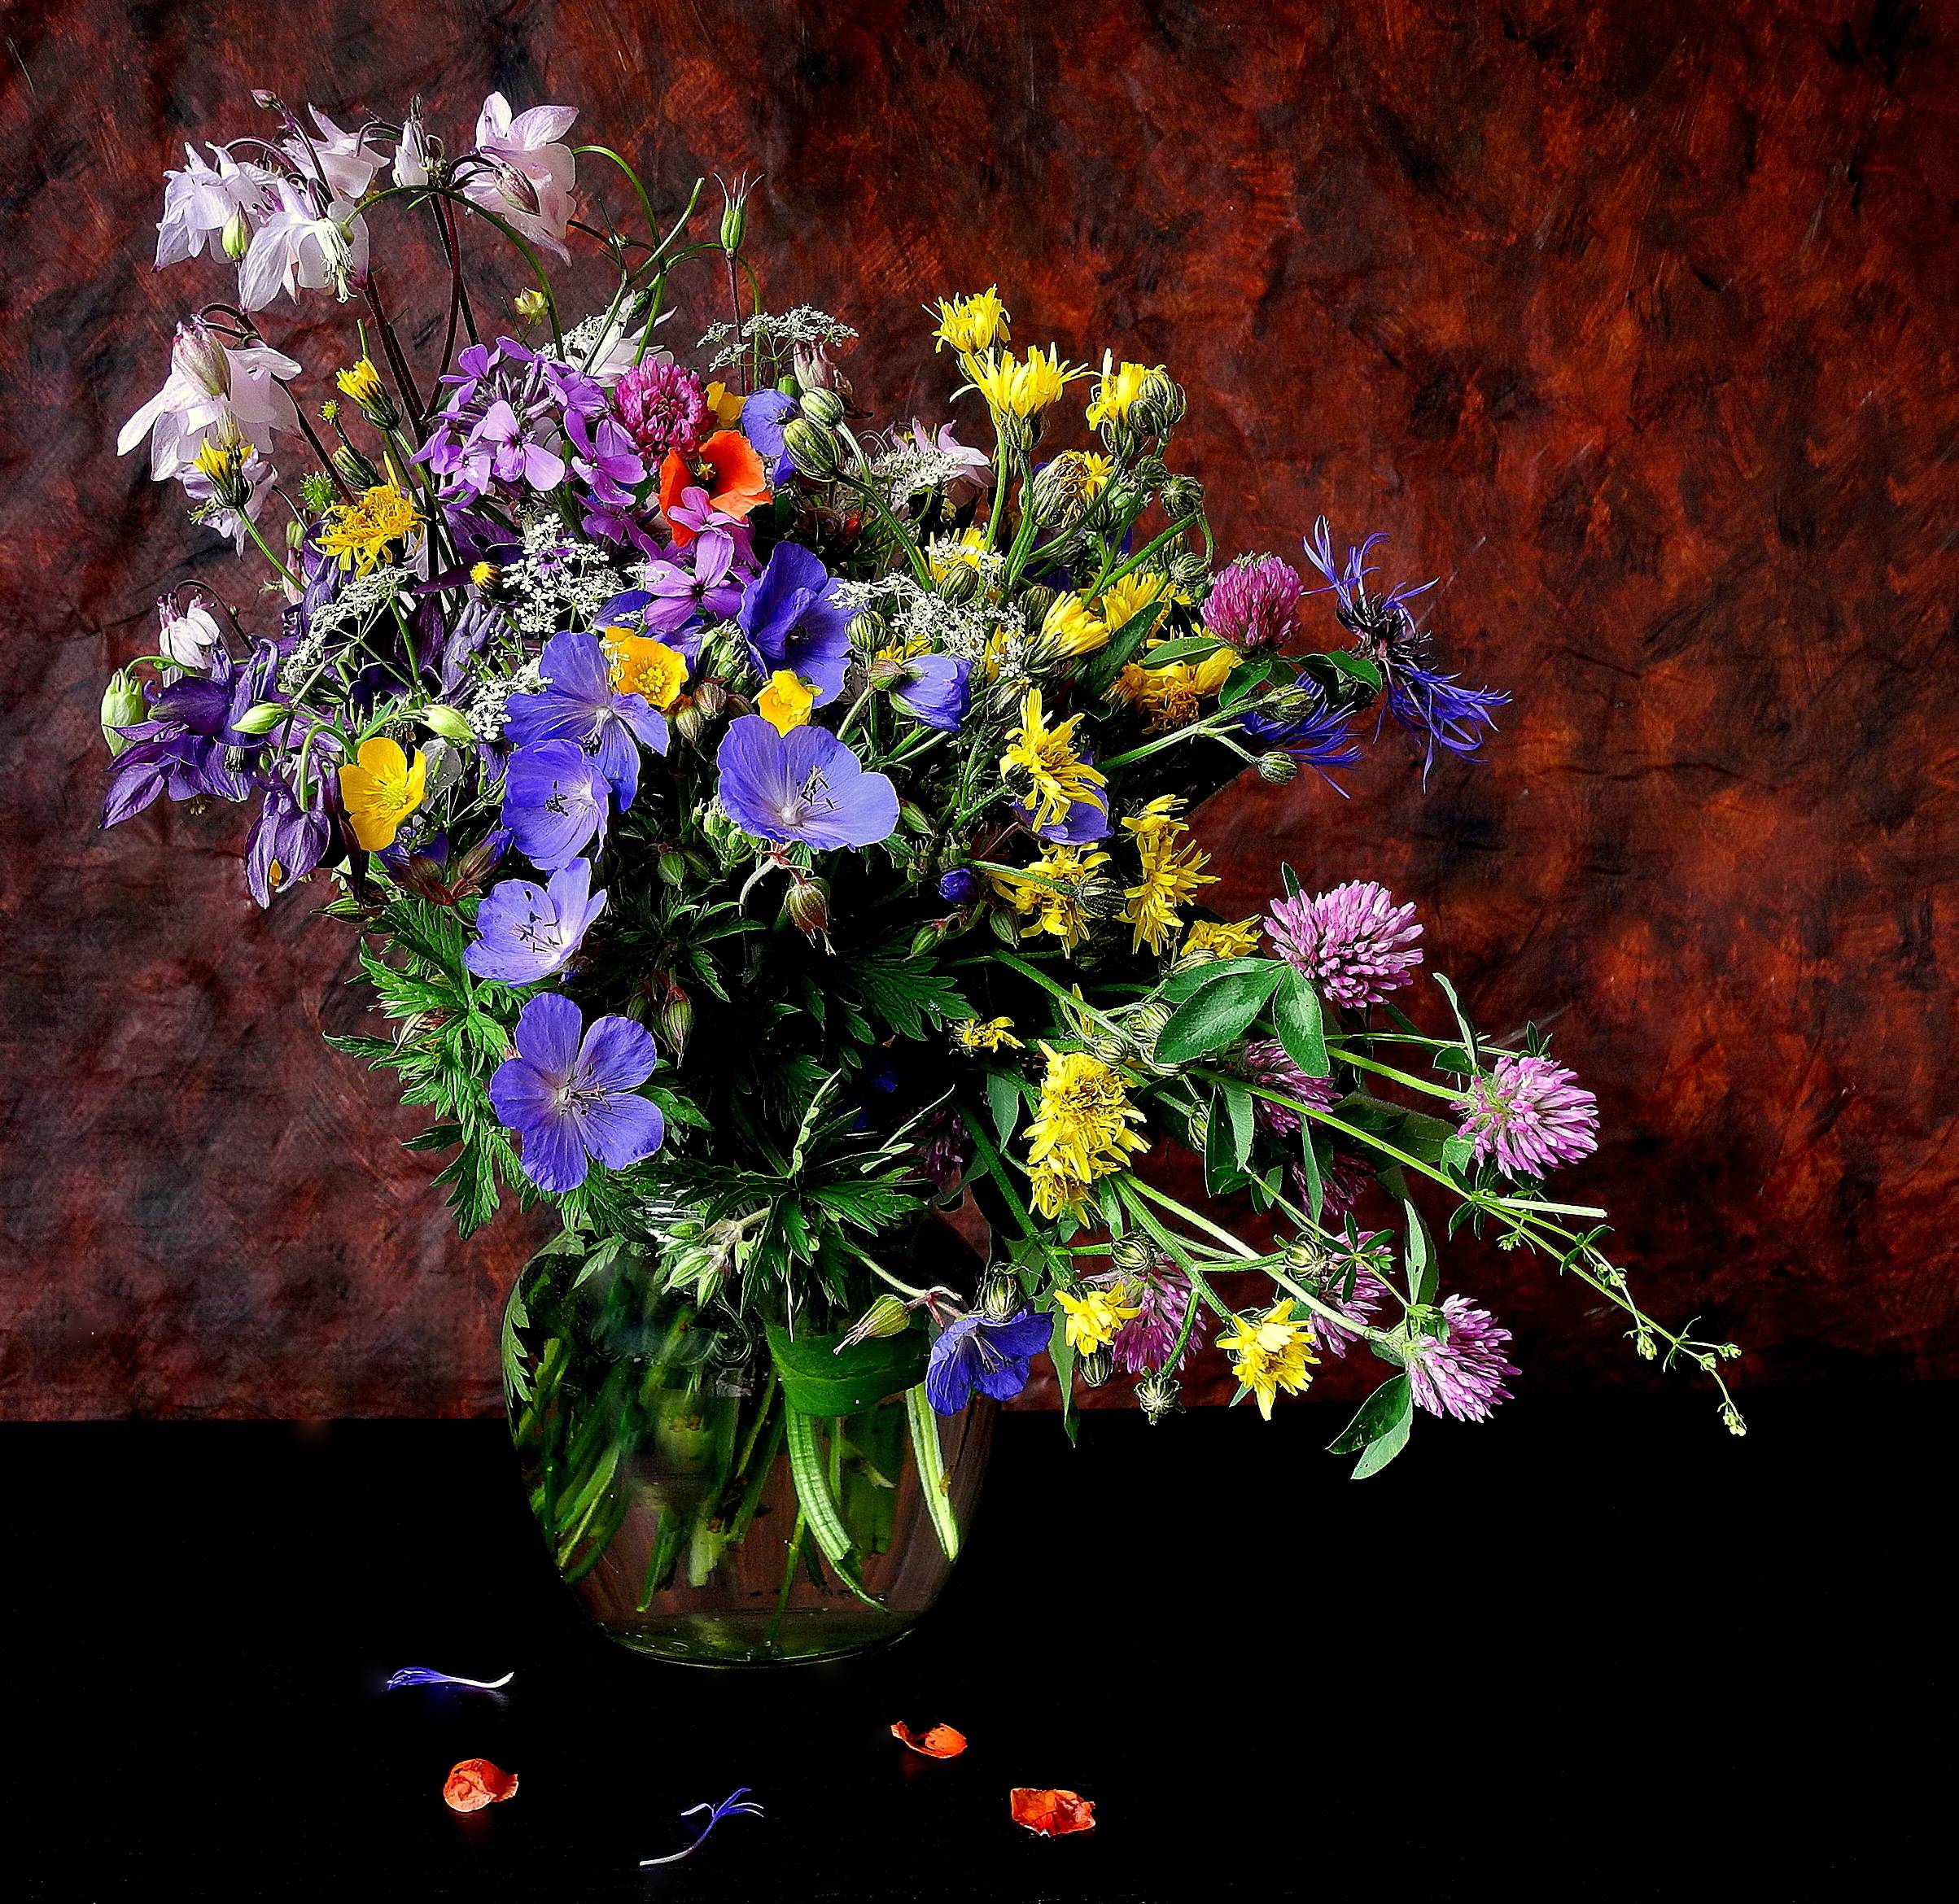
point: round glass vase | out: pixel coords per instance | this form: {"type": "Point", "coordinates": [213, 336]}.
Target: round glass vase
{"type": "Point", "coordinates": [702, 1516]}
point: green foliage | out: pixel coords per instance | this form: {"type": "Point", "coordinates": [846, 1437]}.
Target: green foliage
{"type": "Point", "coordinates": [1219, 1008]}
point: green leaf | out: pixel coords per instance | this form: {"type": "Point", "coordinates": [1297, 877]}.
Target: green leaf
{"type": "Point", "coordinates": [820, 1378]}
{"type": "Point", "coordinates": [1380, 1431]}
{"type": "Point", "coordinates": [677, 1108]}
{"type": "Point", "coordinates": [1217, 1012]}
{"type": "Point", "coordinates": [1180, 984]}
{"type": "Point", "coordinates": [1185, 648]}
{"type": "Point", "coordinates": [1424, 1272]}
{"type": "Point", "coordinates": [1463, 1025]}
{"type": "Point", "coordinates": [1004, 1101]}
{"type": "Point", "coordinates": [1301, 1024]}
{"type": "Point", "coordinates": [1457, 1155]}
{"type": "Point", "coordinates": [1316, 1189]}
{"type": "Point", "coordinates": [1221, 1174]}
{"type": "Point", "coordinates": [1357, 666]}
{"type": "Point", "coordinates": [1455, 1058]}
{"type": "Point", "coordinates": [1238, 1103]}
{"type": "Point", "coordinates": [1063, 1356]}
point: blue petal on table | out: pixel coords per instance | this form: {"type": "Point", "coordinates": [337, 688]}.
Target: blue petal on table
{"type": "Point", "coordinates": [427, 1676]}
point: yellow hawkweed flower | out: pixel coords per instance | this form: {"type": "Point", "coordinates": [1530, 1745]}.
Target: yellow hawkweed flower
{"type": "Point", "coordinates": [1173, 870]}
{"type": "Point", "coordinates": [972, 324]}
{"type": "Point", "coordinates": [724, 405]}
{"type": "Point", "coordinates": [1269, 1352]}
{"type": "Point", "coordinates": [1171, 696]}
{"type": "Point", "coordinates": [1081, 1130]}
{"type": "Point", "coordinates": [380, 788]}
{"type": "Point", "coordinates": [989, 1034]}
{"type": "Point", "coordinates": [1016, 388]}
{"type": "Point", "coordinates": [484, 574]}
{"type": "Point", "coordinates": [358, 532]}
{"type": "Point", "coordinates": [1096, 470]}
{"type": "Point", "coordinates": [640, 664]}
{"type": "Point", "coordinates": [1216, 939]}
{"type": "Point", "coordinates": [1071, 629]}
{"type": "Point", "coordinates": [1093, 1318]}
{"type": "Point", "coordinates": [362, 382]}
{"type": "Point", "coordinates": [1040, 767]}
{"type": "Point", "coordinates": [786, 701]}
{"type": "Point", "coordinates": [1122, 601]}
{"type": "Point", "coordinates": [1116, 392]}
{"type": "Point", "coordinates": [1048, 895]}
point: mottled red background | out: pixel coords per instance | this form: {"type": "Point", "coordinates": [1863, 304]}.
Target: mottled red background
{"type": "Point", "coordinates": [1635, 321]}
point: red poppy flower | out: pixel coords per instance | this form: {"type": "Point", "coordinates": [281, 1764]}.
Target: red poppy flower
{"type": "Point", "coordinates": [726, 466]}
{"type": "Point", "coordinates": [1052, 1814]}
{"type": "Point", "coordinates": [939, 1742]}
{"type": "Point", "coordinates": [476, 1783]}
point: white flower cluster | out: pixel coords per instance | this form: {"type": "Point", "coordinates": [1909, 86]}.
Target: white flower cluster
{"type": "Point", "coordinates": [356, 605]}
{"type": "Point", "coordinates": [920, 620]}
{"type": "Point", "coordinates": [906, 469]}
{"type": "Point", "coordinates": [776, 332]}
{"type": "Point", "coordinates": [558, 583]}
{"type": "Point", "coordinates": [489, 707]}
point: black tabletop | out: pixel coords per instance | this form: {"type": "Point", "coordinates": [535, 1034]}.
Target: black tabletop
{"type": "Point", "coordinates": [1598, 1649]}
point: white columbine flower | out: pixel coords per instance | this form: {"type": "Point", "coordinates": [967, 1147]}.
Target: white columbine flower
{"type": "Point", "coordinates": [210, 381]}
{"type": "Point", "coordinates": [296, 249]}
{"type": "Point", "coordinates": [188, 639]}
{"type": "Point", "coordinates": [199, 202]}
{"type": "Point", "coordinates": [345, 159]}
{"type": "Point", "coordinates": [540, 207]}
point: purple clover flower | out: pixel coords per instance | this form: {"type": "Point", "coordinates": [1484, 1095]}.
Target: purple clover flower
{"type": "Point", "coordinates": [1344, 1178]}
{"type": "Point", "coordinates": [935, 689]}
{"type": "Point", "coordinates": [568, 1099]}
{"type": "Point", "coordinates": [556, 800]}
{"type": "Point", "coordinates": [804, 785]}
{"type": "Point", "coordinates": [1254, 604]}
{"type": "Point", "coordinates": [792, 621]}
{"type": "Point", "coordinates": [976, 1352]}
{"type": "Point", "coordinates": [1265, 1062]}
{"type": "Point", "coordinates": [1462, 1375]}
{"type": "Point", "coordinates": [1353, 942]}
{"type": "Point", "coordinates": [663, 408]}
{"type": "Point", "coordinates": [579, 703]}
{"type": "Point", "coordinates": [526, 932]}
{"type": "Point", "coordinates": [1161, 1296]}
{"type": "Point", "coordinates": [502, 429]}
{"type": "Point", "coordinates": [1530, 1115]}
{"type": "Point", "coordinates": [1361, 1305]}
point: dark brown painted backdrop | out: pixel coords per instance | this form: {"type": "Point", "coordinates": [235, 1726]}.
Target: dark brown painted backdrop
{"type": "Point", "coordinates": [1634, 321]}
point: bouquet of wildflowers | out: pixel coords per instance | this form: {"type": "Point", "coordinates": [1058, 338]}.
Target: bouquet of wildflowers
{"type": "Point", "coordinates": [765, 825]}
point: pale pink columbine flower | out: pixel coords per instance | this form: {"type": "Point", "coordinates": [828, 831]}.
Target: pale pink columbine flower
{"type": "Point", "coordinates": [976, 468]}
{"type": "Point", "coordinates": [1530, 1115]}
{"type": "Point", "coordinates": [1463, 1374]}
{"type": "Point", "coordinates": [1353, 942]}
{"type": "Point", "coordinates": [201, 200]}
{"type": "Point", "coordinates": [209, 383]}
{"type": "Point", "coordinates": [299, 249]}
{"type": "Point", "coordinates": [190, 637]}
{"type": "Point", "coordinates": [344, 161]}
{"type": "Point", "coordinates": [537, 200]}
{"type": "Point", "coordinates": [414, 157]}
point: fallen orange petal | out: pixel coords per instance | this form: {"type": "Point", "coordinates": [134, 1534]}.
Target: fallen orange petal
{"type": "Point", "coordinates": [940, 1742]}
{"type": "Point", "coordinates": [476, 1783]}
{"type": "Point", "coordinates": [1053, 1814]}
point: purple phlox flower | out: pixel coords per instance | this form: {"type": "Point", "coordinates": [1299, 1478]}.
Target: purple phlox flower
{"type": "Point", "coordinates": [692, 584]}
{"type": "Point", "coordinates": [187, 635]}
{"type": "Point", "coordinates": [555, 801]}
{"type": "Point", "coordinates": [300, 248]}
{"type": "Point", "coordinates": [606, 462]}
{"type": "Point", "coordinates": [1265, 1062]}
{"type": "Point", "coordinates": [1160, 1295]}
{"type": "Point", "coordinates": [212, 383]}
{"type": "Point", "coordinates": [737, 1801]}
{"type": "Point", "coordinates": [579, 703]}
{"type": "Point", "coordinates": [791, 620]}
{"type": "Point", "coordinates": [961, 887]}
{"type": "Point", "coordinates": [695, 510]}
{"type": "Point", "coordinates": [1530, 1115]}
{"type": "Point", "coordinates": [804, 785]}
{"type": "Point", "coordinates": [427, 1676]}
{"type": "Point", "coordinates": [342, 160]}
{"type": "Point", "coordinates": [762, 415]}
{"type": "Point", "coordinates": [286, 843]}
{"type": "Point", "coordinates": [526, 932]}
{"type": "Point", "coordinates": [1318, 736]}
{"type": "Point", "coordinates": [1359, 1295]}
{"type": "Point", "coordinates": [663, 407]}
{"type": "Point", "coordinates": [526, 175]}
{"type": "Point", "coordinates": [503, 425]}
{"type": "Point", "coordinates": [935, 689]}
{"type": "Point", "coordinates": [978, 1352]}
{"type": "Point", "coordinates": [201, 200]}
{"type": "Point", "coordinates": [1433, 706]}
{"type": "Point", "coordinates": [1353, 942]}
{"type": "Point", "coordinates": [976, 467]}
{"type": "Point", "coordinates": [568, 1099]}
{"type": "Point", "coordinates": [1463, 1372]}
{"type": "Point", "coordinates": [1253, 604]}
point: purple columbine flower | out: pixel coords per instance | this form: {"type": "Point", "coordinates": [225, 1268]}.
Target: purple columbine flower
{"type": "Point", "coordinates": [1265, 1062]}
{"type": "Point", "coordinates": [1253, 604]}
{"type": "Point", "coordinates": [579, 703]}
{"type": "Point", "coordinates": [792, 621]}
{"type": "Point", "coordinates": [935, 689]}
{"type": "Point", "coordinates": [286, 843]}
{"type": "Point", "coordinates": [1462, 1375]}
{"type": "Point", "coordinates": [1353, 942]}
{"type": "Point", "coordinates": [555, 802]}
{"type": "Point", "coordinates": [526, 932]}
{"type": "Point", "coordinates": [805, 785]}
{"type": "Point", "coordinates": [1530, 1115]}
{"type": "Point", "coordinates": [762, 415]}
{"type": "Point", "coordinates": [568, 1100]}
{"type": "Point", "coordinates": [663, 408]}
{"type": "Point", "coordinates": [975, 1352]}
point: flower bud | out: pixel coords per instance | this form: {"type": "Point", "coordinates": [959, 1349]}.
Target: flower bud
{"type": "Point", "coordinates": [1156, 1397]}
{"type": "Point", "coordinates": [1276, 769]}
{"type": "Point", "coordinates": [1035, 602]}
{"type": "Point", "coordinates": [516, 188]}
{"type": "Point", "coordinates": [448, 723]}
{"type": "Point", "coordinates": [808, 906]}
{"type": "Point", "coordinates": [1131, 1253]}
{"type": "Point", "coordinates": [673, 1023]}
{"type": "Point", "coordinates": [261, 717]}
{"type": "Point", "coordinates": [887, 1316]}
{"type": "Point", "coordinates": [358, 471]}
{"type": "Point", "coordinates": [1000, 1298]}
{"type": "Point", "coordinates": [960, 583]}
{"type": "Point", "coordinates": [1159, 406]}
{"type": "Point", "coordinates": [822, 406]}
{"type": "Point", "coordinates": [236, 237]}
{"type": "Point", "coordinates": [868, 630]}
{"type": "Point", "coordinates": [123, 706]}
{"type": "Point", "coordinates": [198, 358]}
{"type": "Point", "coordinates": [1731, 1419]}
{"type": "Point", "coordinates": [531, 305]}
{"type": "Point", "coordinates": [961, 887]}
{"type": "Point", "coordinates": [1059, 493]}
{"type": "Point", "coordinates": [671, 866]}
{"type": "Point", "coordinates": [1096, 1367]}
{"type": "Point", "coordinates": [887, 670]}
{"type": "Point", "coordinates": [813, 448]}
{"type": "Point", "coordinates": [734, 213]}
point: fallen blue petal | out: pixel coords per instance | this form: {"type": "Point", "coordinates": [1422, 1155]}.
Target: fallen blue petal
{"type": "Point", "coordinates": [425, 1676]}
{"type": "Point", "coordinates": [730, 1804]}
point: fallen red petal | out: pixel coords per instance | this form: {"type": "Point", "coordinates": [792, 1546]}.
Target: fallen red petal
{"type": "Point", "coordinates": [1053, 1814]}
{"type": "Point", "coordinates": [939, 1742]}
{"type": "Point", "coordinates": [476, 1783]}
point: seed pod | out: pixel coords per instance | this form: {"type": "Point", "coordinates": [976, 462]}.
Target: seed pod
{"type": "Point", "coordinates": [123, 706]}
{"type": "Point", "coordinates": [808, 906]}
{"type": "Point", "coordinates": [673, 1023]}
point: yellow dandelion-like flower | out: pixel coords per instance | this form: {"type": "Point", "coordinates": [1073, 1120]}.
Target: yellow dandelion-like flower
{"type": "Point", "coordinates": [1071, 628]}
{"type": "Point", "coordinates": [946, 553]}
{"type": "Point", "coordinates": [1123, 601]}
{"type": "Point", "coordinates": [484, 574]}
{"type": "Point", "coordinates": [1096, 471]}
{"type": "Point", "coordinates": [641, 666]}
{"type": "Point", "coordinates": [973, 324]}
{"type": "Point", "coordinates": [1173, 870]}
{"type": "Point", "coordinates": [989, 1034]}
{"type": "Point", "coordinates": [1214, 938]}
{"type": "Point", "coordinates": [380, 787]}
{"type": "Point", "coordinates": [1052, 895]}
{"type": "Point", "coordinates": [1269, 1352]}
{"type": "Point", "coordinates": [786, 701]}
{"type": "Point", "coordinates": [1173, 695]}
{"type": "Point", "coordinates": [1116, 393]}
{"type": "Point", "coordinates": [361, 531]}
{"type": "Point", "coordinates": [1021, 387]}
{"type": "Point", "coordinates": [1041, 769]}
{"type": "Point", "coordinates": [1093, 1318]}
{"type": "Point", "coordinates": [1080, 1130]}
{"type": "Point", "coordinates": [361, 381]}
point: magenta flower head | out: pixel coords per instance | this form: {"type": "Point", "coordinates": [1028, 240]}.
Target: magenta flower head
{"type": "Point", "coordinates": [1253, 604]}
{"type": "Point", "coordinates": [569, 1098]}
{"type": "Point", "coordinates": [1462, 1373]}
{"type": "Point", "coordinates": [1530, 1115]}
{"type": "Point", "coordinates": [804, 785]}
{"type": "Point", "coordinates": [1266, 1062]}
{"type": "Point", "coordinates": [663, 408]}
{"type": "Point", "coordinates": [1353, 942]}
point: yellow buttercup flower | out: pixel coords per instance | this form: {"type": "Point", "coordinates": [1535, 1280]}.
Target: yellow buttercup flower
{"type": "Point", "coordinates": [1041, 769]}
{"type": "Point", "coordinates": [1018, 387]}
{"type": "Point", "coordinates": [724, 405]}
{"type": "Point", "coordinates": [641, 666]}
{"type": "Point", "coordinates": [1269, 1352]}
{"type": "Point", "coordinates": [1214, 938]}
{"type": "Point", "coordinates": [1116, 392]}
{"type": "Point", "coordinates": [1173, 870]}
{"type": "Point", "coordinates": [1171, 696]}
{"type": "Point", "coordinates": [786, 701]}
{"type": "Point", "coordinates": [1081, 1131]}
{"type": "Point", "coordinates": [1071, 628]}
{"type": "Point", "coordinates": [1122, 601]}
{"type": "Point", "coordinates": [1052, 895]}
{"type": "Point", "coordinates": [359, 532]}
{"type": "Point", "coordinates": [1093, 1318]}
{"type": "Point", "coordinates": [380, 788]}
{"type": "Point", "coordinates": [972, 324]}
{"type": "Point", "coordinates": [991, 1034]}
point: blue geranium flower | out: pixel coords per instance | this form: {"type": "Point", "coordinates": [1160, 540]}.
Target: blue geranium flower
{"type": "Point", "coordinates": [978, 1352]}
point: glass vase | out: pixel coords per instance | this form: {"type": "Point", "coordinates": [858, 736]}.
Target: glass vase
{"type": "Point", "coordinates": [697, 1512]}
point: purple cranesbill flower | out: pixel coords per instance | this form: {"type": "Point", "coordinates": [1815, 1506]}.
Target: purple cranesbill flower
{"type": "Point", "coordinates": [568, 1099]}
{"type": "Point", "coordinates": [804, 785]}
{"type": "Point", "coordinates": [977, 1351]}
{"type": "Point", "coordinates": [1265, 1062]}
{"type": "Point", "coordinates": [555, 802]}
{"type": "Point", "coordinates": [737, 1803]}
{"type": "Point", "coordinates": [579, 703]}
{"type": "Point", "coordinates": [663, 407]}
{"type": "Point", "coordinates": [762, 415]}
{"type": "Point", "coordinates": [1462, 1373]}
{"type": "Point", "coordinates": [286, 843]}
{"type": "Point", "coordinates": [1353, 942]}
{"type": "Point", "coordinates": [1254, 604]}
{"type": "Point", "coordinates": [526, 932]}
{"type": "Point", "coordinates": [1530, 1115]}
{"type": "Point", "coordinates": [1084, 821]}
{"type": "Point", "coordinates": [428, 1676]}
{"type": "Point", "coordinates": [791, 620]}
{"type": "Point", "coordinates": [961, 887]}
{"type": "Point", "coordinates": [935, 689]}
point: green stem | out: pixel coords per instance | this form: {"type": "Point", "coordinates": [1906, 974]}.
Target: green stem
{"type": "Point", "coordinates": [923, 1420]}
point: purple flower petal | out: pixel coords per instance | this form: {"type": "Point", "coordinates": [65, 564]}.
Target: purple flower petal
{"type": "Point", "coordinates": [548, 1031]}
{"type": "Point", "coordinates": [619, 1054]}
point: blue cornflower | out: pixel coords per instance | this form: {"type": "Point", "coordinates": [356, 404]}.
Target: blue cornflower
{"type": "Point", "coordinates": [979, 1352]}
{"type": "Point", "coordinates": [1318, 736]}
{"type": "Point", "coordinates": [579, 702]}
